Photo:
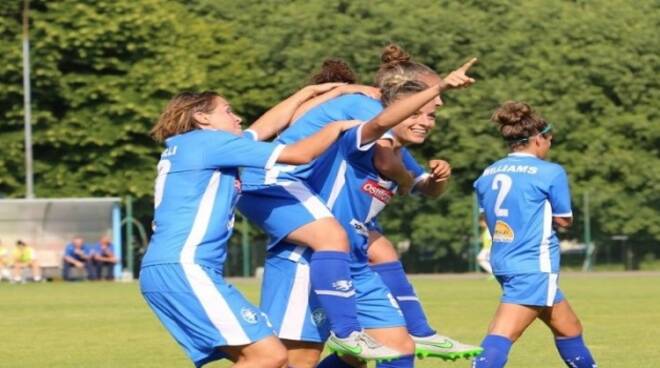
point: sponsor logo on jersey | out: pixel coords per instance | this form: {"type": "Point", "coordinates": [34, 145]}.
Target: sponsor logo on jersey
{"type": "Point", "coordinates": [360, 228]}
{"type": "Point", "coordinates": [377, 191]}
{"type": "Point", "coordinates": [503, 232]}
{"type": "Point", "coordinates": [318, 317]}
{"type": "Point", "coordinates": [343, 285]}
{"type": "Point", "coordinates": [249, 315]}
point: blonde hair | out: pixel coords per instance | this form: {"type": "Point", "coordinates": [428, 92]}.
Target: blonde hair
{"type": "Point", "coordinates": [177, 118]}
{"type": "Point", "coordinates": [397, 66]}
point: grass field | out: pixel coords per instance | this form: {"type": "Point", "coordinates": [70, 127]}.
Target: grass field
{"type": "Point", "coordinates": [108, 324]}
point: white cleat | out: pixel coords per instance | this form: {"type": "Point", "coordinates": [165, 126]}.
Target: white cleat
{"type": "Point", "coordinates": [444, 348]}
{"type": "Point", "coordinates": [361, 346]}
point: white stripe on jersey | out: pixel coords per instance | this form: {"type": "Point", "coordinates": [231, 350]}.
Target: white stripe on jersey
{"type": "Point", "coordinates": [215, 306]}
{"type": "Point", "coordinates": [296, 309]}
{"type": "Point", "coordinates": [272, 160]}
{"type": "Point", "coordinates": [297, 253]}
{"type": "Point", "coordinates": [544, 254]}
{"type": "Point", "coordinates": [338, 185]}
{"type": "Point", "coordinates": [310, 201]}
{"type": "Point", "coordinates": [552, 289]}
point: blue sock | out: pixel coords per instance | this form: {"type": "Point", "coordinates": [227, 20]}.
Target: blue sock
{"type": "Point", "coordinates": [406, 361]}
{"type": "Point", "coordinates": [574, 352]}
{"type": "Point", "coordinates": [332, 283]}
{"type": "Point", "coordinates": [495, 354]}
{"type": "Point", "coordinates": [333, 361]}
{"type": "Point", "coordinates": [396, 280]}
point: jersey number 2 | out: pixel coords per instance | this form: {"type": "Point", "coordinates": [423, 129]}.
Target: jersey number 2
{"type": "Point", "coordinates": [502, 183]}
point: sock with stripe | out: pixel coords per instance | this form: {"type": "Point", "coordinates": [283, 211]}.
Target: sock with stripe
{"type": "Point", "coordinates": [331, 281]}
{"type": "Point", "coordinates": [574, 352]}
{"type": "Point", "coordinates": [495, 354]}
{"type": "Point", "coordinates": [406, 361]}
{"type": "Point", "coordinates": [394, 276]}
{"type": "Point", "coordinates": [333, 361]}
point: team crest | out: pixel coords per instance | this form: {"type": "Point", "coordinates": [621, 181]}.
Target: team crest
{"type": "Point", "coordinates": [503, 232]}
{"type": "Point", "coordinates": [318, 317]}
{"type": "Point", "coordinates": [343, 285]}
{"type": "Point", "coordinates": [249, 315]}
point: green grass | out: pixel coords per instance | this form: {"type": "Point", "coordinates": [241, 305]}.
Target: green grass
{"type": "Point", "coordinates": [108, 324]}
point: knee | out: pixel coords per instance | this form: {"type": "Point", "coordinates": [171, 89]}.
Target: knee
{"type": "Point", "coordinates": [332, 238]}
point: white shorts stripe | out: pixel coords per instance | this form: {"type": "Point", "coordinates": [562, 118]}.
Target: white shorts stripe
{"type": "Point", "coordinates": [296, 309]}
{"type": "Point", "coordinates": [310, 201]}
{"type": "Point", "coordinates": [215, 306]}
{"type": "Point", "coordinates": [552, 288]}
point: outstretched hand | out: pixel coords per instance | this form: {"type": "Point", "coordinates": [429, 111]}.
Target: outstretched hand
{"type": "Point", "coordinates": [459, 78]}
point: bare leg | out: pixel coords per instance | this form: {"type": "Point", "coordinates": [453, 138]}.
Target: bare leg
{"type": "Point", "coordinates": [321, 235]}
{"type": "Point", "coordinates": [266, 353]}
{"type": "Point", "coordinates": [511, 320]}
{"type": "Point", "coordinates": [381, 250]}
{"type": "Point", "coordinates": [302, 354]}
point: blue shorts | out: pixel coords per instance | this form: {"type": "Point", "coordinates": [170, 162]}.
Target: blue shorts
{"type": "Point", "coordinates": [536, 289]}
{"type": "Point", "coordinates": [200, 310]}
{"type": "Point", "coordinates": [282, 208]}
{"type": "Point", "coordinates": [296, 313]}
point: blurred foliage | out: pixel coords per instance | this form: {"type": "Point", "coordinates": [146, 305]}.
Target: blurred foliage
{"type": "Point", "coordinates": [103, 70]}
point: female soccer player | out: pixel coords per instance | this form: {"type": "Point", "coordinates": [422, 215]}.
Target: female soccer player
{"type": "Point", "coordinates": [523, 196]}
{"type": "Point", "coordinates": [397, 165]}
{"type": "Point", "coordinates": [195, 193]}
{"type": "Point", "coordinates": [356, 192]}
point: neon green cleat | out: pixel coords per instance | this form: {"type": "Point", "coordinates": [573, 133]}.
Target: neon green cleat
{"type": "Point", "coordinates": [444, 348]}
{"type": "Point", "coordinates": [361, 346]}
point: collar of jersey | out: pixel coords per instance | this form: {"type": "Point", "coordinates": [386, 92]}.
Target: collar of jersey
{"type": "Point", "coordinates": [521, 154]}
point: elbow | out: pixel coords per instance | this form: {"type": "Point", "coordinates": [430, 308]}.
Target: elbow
{"type": "Point", "coordinates": [563, 222]}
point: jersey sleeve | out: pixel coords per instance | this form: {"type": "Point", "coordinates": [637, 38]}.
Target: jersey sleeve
{"type": "Point", "coordinates": [226, 150]}
{"type": "Point", "coordinates": [560, 195]}
{"type": "Point", "coordinates": [351, 144]}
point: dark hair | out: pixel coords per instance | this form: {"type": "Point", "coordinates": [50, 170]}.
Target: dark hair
{"type": "Point", "coordinates": [177, 118]}
{"type": "Point", "coordinates": [334, 70]}
{"type": "Point", "coordinates": [394, 91]}
{"type": "Point", "coordinates": [396, 64]}
{"type": "Point", "coordinates": [517, 122]}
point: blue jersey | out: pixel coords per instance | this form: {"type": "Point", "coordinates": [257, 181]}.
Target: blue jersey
{"type": "Point", "coordinates": [345, 107]}
{"type": "Point", "coordinates": [352, 189]}
{"type": "Point", "coordinates": [70, 251]}
{"type": "Point", "coordinates": [519, 196]}
{"type": "Point", "coordinates": [195, 193]}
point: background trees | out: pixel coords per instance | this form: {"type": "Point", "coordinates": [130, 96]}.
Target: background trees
{"type": "Point", "coordinates": [103, 70]}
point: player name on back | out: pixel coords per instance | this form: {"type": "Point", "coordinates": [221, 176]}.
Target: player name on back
{"type": "Point", "coordinates": [521, 169]}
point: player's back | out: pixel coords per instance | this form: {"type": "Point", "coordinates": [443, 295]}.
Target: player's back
{"type": "Point", "coordinates": [519, 196]}
{"type": "Point", "coordinates": [193, 201]}
{"type": "Point", "coordinates": [345, 107]}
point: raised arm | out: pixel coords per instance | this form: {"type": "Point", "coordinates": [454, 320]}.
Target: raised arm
{"type": "Point", "coordinates": [279, 117]}
{"type": "Point", "coordinates": [402, 109]}
{"type": "Point", "coordinates": [306, 150]}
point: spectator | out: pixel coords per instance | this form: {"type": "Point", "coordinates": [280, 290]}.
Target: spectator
{"type": "Point", "coordinates": [5, 262]}
{"type": "Point", "coordinates": [24, 257]}
{"type": "Point", "coordinates": [103, 258]}
{"type": "Point", "coordinates": [77, 255]}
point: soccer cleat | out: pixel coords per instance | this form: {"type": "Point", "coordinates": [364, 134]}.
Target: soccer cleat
{"type": "Point", "coordinates": [444, 348]}
{"type": "Point", "coordinates": [361, 346]}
